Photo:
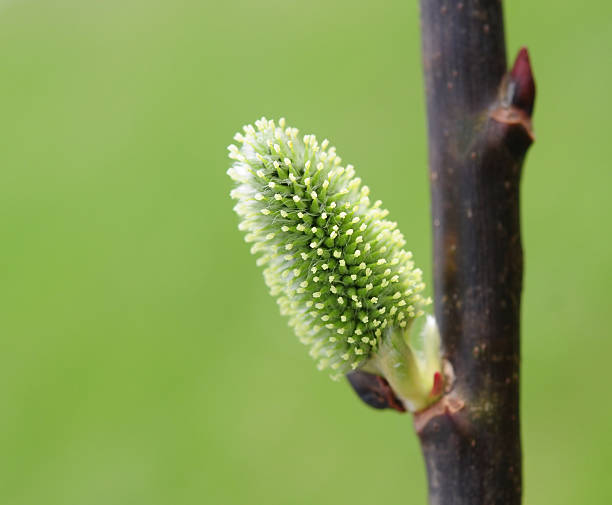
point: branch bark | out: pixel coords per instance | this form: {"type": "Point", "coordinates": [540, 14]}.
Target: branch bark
{"type": "Point", "coordinates": [479, 129]}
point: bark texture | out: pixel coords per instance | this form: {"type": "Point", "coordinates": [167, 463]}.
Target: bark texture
{"type": "Point", "coordinates": [479, 129]}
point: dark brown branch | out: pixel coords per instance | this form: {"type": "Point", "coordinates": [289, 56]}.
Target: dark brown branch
{"type": "Point", "coordinates": [479, 127]}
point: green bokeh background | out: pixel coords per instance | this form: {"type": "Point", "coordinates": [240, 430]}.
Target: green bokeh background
{"type": "Point", "coordinates": [141, 359]}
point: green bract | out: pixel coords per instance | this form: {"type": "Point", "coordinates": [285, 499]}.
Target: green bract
{"type": "Point", "coordinates": [335, 264]}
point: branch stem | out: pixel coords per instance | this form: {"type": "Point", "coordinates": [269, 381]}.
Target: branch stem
{"type": "Point", "coordinates": [479, 130]}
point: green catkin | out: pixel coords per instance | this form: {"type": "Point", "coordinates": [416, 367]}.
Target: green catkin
{"type": "Point", "coordinates": [334, 262]}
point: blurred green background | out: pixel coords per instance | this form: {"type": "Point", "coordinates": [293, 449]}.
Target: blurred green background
{"type": "Point", "coordinates": [141, 359]}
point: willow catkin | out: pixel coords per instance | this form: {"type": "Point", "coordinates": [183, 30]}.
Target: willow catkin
{"type": "Point", "coordinates": [334, 262]}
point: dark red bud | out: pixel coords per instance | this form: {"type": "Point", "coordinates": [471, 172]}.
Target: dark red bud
{"type": "Point", "coordinates": [438, 385]}
{"type": "Point", "coordinates": [374, 390]}
{"type": "Point", "coordinates": [521, 76]}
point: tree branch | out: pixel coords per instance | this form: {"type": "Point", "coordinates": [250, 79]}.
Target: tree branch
{"type": "Point", "coordinates": [479, 128]}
